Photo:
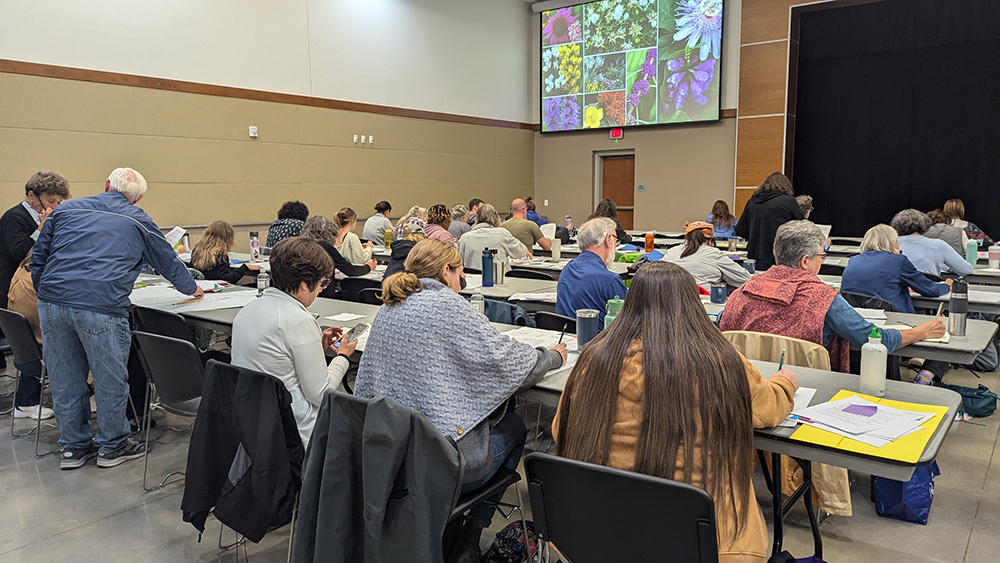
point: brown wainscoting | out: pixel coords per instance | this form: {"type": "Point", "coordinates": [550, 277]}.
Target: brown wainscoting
{"type": "Point", "coordinates": [758, 152]}
{"type": "Point", "coordinates": [764, 20]}
{"type": "Point", "coordinates": [728, 113]}
{"type": "Point", "coordinates": [86, 75]}
{"type": "Point", "coordinates": [742, 197]}
{"type": "Point", "coordinates": [762, 78]}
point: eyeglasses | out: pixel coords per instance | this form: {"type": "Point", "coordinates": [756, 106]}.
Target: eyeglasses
{"type": "Point", "coordinates": [325, 283]}
{"type": "Point", "coordinates": [822, 255]}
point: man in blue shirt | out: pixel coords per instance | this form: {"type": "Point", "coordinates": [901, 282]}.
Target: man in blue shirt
{"type": "Point", "coordinates": [586, 282]}
{"type": "Point", "coordinates": [86, 259]}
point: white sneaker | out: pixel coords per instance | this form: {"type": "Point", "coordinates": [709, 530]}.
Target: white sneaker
{"type": "Point", "coordinates": [32, 413]}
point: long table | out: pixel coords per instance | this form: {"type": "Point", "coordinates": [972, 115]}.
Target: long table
{"type": "Point", "coordinates": [982, 298]}
{"type": "Point", "coordinates": [555, 268]}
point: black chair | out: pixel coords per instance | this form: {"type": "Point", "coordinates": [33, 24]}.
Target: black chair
{"type": "Point", "coordinates": [596, 514]}
{"type": "Point", "coordinates": [552, 321]}
{"type": "Point", "coordinates": [350, 288]}
{"type": "Point", "coordinates": [163, 323]}
{"type": "Point", "coordinates": [371, 296]}
{"type": "Point", "coordinates": [469, 270]}
{"type": "Point", "coordinates": [529, 274]}
{"type": "Point", "coordinates": [501, 481]}
{"type": "Point", "coordinates": [26, 350]}
{"type": "Point", "coordinates": [175, 374]}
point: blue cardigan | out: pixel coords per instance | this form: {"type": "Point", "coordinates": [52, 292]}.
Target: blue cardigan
{"type": "Point", "coordinates": [724, 233]}
{"type": "Point", "coordinates": [888, 276]}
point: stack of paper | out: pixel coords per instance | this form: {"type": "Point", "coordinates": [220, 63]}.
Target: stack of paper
{"type": "Point", "coordinates": [803, 396]}
{"type": "Point", "coordinates": [548, 297]}
{"type": "Point", "coordinates": [547, 339]}
{"type": "Point", "coordinates": [863, 420]}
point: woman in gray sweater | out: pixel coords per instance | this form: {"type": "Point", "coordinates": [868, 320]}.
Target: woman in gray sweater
{"type": "Point", "coordinates": [460, 375]}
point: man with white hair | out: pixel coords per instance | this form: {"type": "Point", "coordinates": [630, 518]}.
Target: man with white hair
{"type": "Point", "coordinates": [586, 282]}
{"type": "Point", "coordinates": [87, 257]}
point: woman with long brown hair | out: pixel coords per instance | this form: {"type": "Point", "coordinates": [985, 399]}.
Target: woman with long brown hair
{"type": "Point", "coordinates": [722, 220]}
{"type": "Point", "coordinates": [771, 206]}
{"type": "Point", "coordinates": [211, 254]}
{"type": "Point", "coordinates": [661, 377]}
{"type": "Point", "coordinates": [607, 208]}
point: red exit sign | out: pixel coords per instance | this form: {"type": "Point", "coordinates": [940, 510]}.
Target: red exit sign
{"type": "Point", "coordinates": [617, 133]}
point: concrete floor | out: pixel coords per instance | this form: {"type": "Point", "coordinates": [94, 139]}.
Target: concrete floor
{"type": "Point", "coordinates": [103, 514]}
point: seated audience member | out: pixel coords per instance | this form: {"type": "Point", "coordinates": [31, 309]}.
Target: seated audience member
{"type": "Point", "coordinates": [377, 224]}
{"type": "Point", "coordinates": [412, 234]}
{"type": "Point", "coordinates": [955, 210]}
{"type": "Point", "coordinates": [348, 243]}
{"type": "Point", "coordinates": [487, 233]}
{"type": "Point", "coordinates": [638, 397]}
{"type": "Point", "coordinates": [277, 335]}
{"type": "Point", "coordinates": [586, 282]}
{"type": "Point", "coordinates": [790, 300]}
{"type": "Point", "coordinates": [523, 229]}
{"type": "Point", "coordinates": [882, 271]}
{"type": "Point", "coordinates": [942, 229]}
{"type": "Point", "coordinates": [607, 208]}
{"type": "Point", "coordinates": [461, 380]}
{"type": "Point", "coordinates": [771, 205]}
{"type": "Point", "coordinates": [438, 221]}
{"type": "Point", "coordinates": [805, 204]}
{"type": "Point", "coordinates": [474, 204]}
{"type": "Point", "coordinates": [415, 216]}
{"type": "Point", "coordinates": [930, 256]}
{"type": "Point", "coordinates": [722, 220]}
{"type": "Point", "coordinates": [532, 215]}
{"type": "Point", "coordinates": [699, 256]}
{"type": "Point", "coordinates": [291, 217]}
{"type": "Point", "coordinates": [459, 216]}
{"type": "Point", "coordinates": [22, 299]}
{"type": "Point", "coordinates": [210, 255]}
{"type": "Point", "coordinates": [323, 231]}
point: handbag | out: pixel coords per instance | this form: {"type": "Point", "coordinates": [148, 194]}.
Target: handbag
{"type": "Point", "coordinates": [979, 402]}
{"type": "Point", "coordinates": [909, 501]}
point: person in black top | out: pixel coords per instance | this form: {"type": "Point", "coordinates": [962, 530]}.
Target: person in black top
{"type": "Point", "coordinates": [771, 206]}
{"type": "Point", "coordinates": [211, 254]}
{"type": "Point", "coordinates": [21, 224]}
{"type": "Point", "coordinates": [607, 208]}
{"type": "Point", "coordinates": [291, 217]}
{"type": "Point", "coordinates": [322, 230]}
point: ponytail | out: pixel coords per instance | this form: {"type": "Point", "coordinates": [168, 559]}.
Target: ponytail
{"type": "Point", "coordinates": [345, 216]}
{"type": "Point", "coordinates": [397, 287]}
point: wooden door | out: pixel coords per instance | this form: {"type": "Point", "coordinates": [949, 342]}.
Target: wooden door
{"type": "Point", "coordinates": [618, 184]}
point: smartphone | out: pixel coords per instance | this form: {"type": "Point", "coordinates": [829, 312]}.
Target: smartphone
{"type": "Point", "coordinates": [356, 332]}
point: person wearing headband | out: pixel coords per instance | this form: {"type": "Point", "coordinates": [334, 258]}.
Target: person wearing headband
{"type": "Point", "coordinates": [699, 256]}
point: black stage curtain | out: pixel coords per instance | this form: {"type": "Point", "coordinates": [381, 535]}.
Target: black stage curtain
{"type": "Point", "coordinates": [898, 105]}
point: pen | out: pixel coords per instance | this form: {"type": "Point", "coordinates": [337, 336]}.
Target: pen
{"type": "Point", "coordinates": [781, 363]}
{"type": "Point", "coordinates": [565, 326]}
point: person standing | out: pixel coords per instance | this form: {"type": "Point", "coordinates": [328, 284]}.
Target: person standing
{"type": "Point", "coordinates": [377, 224]}
{"type": "Point", "coordinates": [523, 229]}
{"type": "Point", "coordinates": [771, 206]}
{"type": "Point", "coordinates": [586, 282]}
{"type": "Point", "coordinates": [86, 259]}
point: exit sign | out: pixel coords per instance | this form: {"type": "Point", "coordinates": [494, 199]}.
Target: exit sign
{"type": "Point", "coordinates": [617, 133]}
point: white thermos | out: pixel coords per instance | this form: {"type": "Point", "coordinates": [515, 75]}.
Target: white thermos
{"type": "Point", "coordinates": [557, 249]}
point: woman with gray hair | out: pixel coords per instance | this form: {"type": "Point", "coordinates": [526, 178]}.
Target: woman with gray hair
{"type": "Point", "coordinates": [882, 271]}
{"type": "Point", "coordinates": [790, 300]}
{"type": "Point", "coordinates": [930, 256]}
{"type": "Point", "coordinates": [487, 233]}
{"type": "Point", "coordinates": [459, 217]}
{"type": "Point", "coordinates": [323, 231]}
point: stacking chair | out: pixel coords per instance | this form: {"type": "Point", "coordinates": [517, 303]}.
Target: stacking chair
{"type": "Point", "coordinates": [371, 296]}
{"type": "Point", "coordinates": [595, 513]}
{"type": "Point", "coordinates": [350, 288]}
{"type": "Point", "coordinates": [175, 374]}
{"type": "Point", "coordinates": [552, 321]}
{"type": "Point", "coordinates": [529, 274]}
{"type": "Point", "coordinates": [26, 350]}
{"type": "Point", "coordinates": [163, 323]}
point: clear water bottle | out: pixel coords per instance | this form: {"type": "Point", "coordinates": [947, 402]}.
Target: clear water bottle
{"type": "Point", "coordinates": [478, 301]}
{"type": "Point", "coordinates": [263, 282]}
{"type": "Point", "coordinates": [873, 364]}
{"type": "Point", "coordinates": [254, 247]}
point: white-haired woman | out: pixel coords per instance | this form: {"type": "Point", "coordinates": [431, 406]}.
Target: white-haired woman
{"type": "Point", "coordinates": [415, 216]}
{"type": "Point", "coordinates": [882, 271]}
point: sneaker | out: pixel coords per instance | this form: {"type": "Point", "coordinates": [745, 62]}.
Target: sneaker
{"type": "Point", "coordinates": [129, 450]}
{"type": "Point", "coordinates": [73, 458]}
{"type": "Point", "coordinates": [33, 413]}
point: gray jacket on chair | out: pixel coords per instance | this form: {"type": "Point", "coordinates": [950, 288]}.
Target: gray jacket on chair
{"type": "Point", "coordinates": [378, 484]}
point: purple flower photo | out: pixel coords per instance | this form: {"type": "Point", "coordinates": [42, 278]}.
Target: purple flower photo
{"type": "Point", "coordinates": [561, 114]}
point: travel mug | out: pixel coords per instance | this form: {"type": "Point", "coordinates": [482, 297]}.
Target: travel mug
{"type": "Point", "coordinates": [586, 325]}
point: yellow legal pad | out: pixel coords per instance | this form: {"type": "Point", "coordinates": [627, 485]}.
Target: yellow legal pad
{"type": "Point", "coordinates": [906, 449]}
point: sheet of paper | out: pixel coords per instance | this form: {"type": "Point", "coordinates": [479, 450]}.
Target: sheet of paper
{"type": "Point", "coordinates": [803, 396]}
{"type": "Point", "coordinates": [984, 296]}
{"type": "Point", "coordinates": [215, 301]}
{"type": "Point", "coordinates": [870, 314]}
{"type": "Point", "coordinates": [207, 285]}
{"type": "Point", "coordinates": [549, 230]}
{"type": "Point", "coordinates": [344, 317]}
{"type": "Point", "coordinates": [825, 229]}
{"type": "Point", "coordinates": [156, 295]}
{"type": "Point", "coordinates": [549, 297]}
{"type": "Point", "coordinates": [546, 339]}
{"type": "Point", "coordinates": [174, 236]}
{"type": "Point", "coordinates": [472, 281]}
{"type": "Point", "coordinates": [884, 422]}
{"type": "Point", "coordinates": [943, 340]}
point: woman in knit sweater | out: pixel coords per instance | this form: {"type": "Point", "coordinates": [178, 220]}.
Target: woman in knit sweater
{"type": "Point", "coordinates": [661, 376]}
{"type": "Point", "coordinates": [461, 380]}
{"type": "Point", "coordinates": [211, 254]}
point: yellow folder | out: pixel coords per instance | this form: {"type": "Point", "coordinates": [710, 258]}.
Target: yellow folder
{"type": "Point", "coordinates": [906, 449]}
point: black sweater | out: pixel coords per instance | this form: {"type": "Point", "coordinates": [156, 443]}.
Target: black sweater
{"type": "Point", "coordinates": [16, 228]}
{"type": "Point", "coordinates": [763, 214]}
{"type": "Point", "coordinates": [222, 270]}
{"type": "Point", "coordinates": [342, 264]}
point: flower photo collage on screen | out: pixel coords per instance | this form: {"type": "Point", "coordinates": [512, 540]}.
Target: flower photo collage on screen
{"type": "Point", "coordinates": [622, 63]}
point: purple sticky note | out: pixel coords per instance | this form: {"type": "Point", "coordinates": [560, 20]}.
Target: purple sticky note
{"type": "Point", "coordinates": [862, 410]}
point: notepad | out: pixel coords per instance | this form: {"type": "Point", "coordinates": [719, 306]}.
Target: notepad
{"type": "Point", "coordinates": [345, 317]}
{"type": "Point", "coordinates": [943, 340]}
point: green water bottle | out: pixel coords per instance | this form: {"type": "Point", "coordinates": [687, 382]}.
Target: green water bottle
{"type": "Point", "coordinates": [614, 307]}
{"type": "Point", "coordinates": [972, 252]}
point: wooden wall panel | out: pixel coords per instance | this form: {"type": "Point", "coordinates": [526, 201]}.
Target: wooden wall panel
{"type": "Point", "coordinates": [765, 20]}
{"type": "Point", "coordinates": [759, 150]}
{"type": "Point", "coordinates": [763, 73]}
{"type": "Point", "coordinates": [742, 197]}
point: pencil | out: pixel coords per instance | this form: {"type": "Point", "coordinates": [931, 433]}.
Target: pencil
{"type": "Point", "coordinates": [782, 362]}
{"type": "Point", "coordinates": [940, 306]}
{"type": "Point", "coordinates": [188, 302]}
{"type": "Point", "coordinates": [565, 326]}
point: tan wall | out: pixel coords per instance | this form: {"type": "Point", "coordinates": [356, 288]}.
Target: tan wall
{"type": "Point", "coordinates": [201, 165]}
{"type": "Point", "coordinates": [684, 168]}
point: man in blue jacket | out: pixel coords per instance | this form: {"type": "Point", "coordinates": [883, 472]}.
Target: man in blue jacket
{"type": "Point", "coordinates": [84, 263]}
{"type": "Point", "coordinates": [586, 282]}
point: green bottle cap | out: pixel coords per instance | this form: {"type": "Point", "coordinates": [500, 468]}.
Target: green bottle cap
{"type": "Point", "coordinates": [615, 305]}
{"type": "Point", "coordinates": [876, 333]}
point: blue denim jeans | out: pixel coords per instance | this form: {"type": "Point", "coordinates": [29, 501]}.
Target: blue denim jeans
{"type": "Point", "coordinates": [507, 438]}
{"type": "Point", "coordinates": [76, 341]}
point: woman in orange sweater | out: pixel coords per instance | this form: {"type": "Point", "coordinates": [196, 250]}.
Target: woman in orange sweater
{"type": "Point", "coordinates": [662, 377]}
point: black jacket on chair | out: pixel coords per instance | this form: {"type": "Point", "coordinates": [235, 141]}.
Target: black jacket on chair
{"type": "Point", "coordinates": [763, 214]}
{"type": "Point", "coordinates": [245, 457]}
{"type": "Point", "coordinates": [379, 484]}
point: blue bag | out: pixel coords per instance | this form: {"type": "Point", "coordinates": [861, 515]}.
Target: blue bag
{"type": "Point", "coordinates": [909, 501]}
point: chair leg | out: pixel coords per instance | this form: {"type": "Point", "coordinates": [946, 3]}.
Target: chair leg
{"type": "Point", "coordinates": [291, 531]}
{"type": "Point", "coordinates": [524, 523]}
{"type": "Point", "coordinates": [239, 539]}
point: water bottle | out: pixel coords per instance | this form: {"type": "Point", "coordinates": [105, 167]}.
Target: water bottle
{"type": "Point", "coordinates": [719, 293]}
{"type": "Point", "coordinates": [388, 239]}
{"type": "Point", "coordinates": [614, 307]}
{"type": "Point", "coordinates": [186, 241]}
{"type": "Point", "coordinates": [263, 282]}
{"type": "Point", "coordinates": [958, 307]}
{"type": "Point", "coordinates": [751, 265]}
{"type": "Point", "coordinates": [650, 237]}
{"type": "Point", "coordinates": [994, 256]}
{"type": "Point", "coordinates": [972, 252]}
{"type": "Point", "coordinates": [586, 325]}
{"type": "Point", "coordinates": [478, 301]}
{"type": "Point", "coordinates": [254, 247]}
{"type": "Point", "coordinates": [498, 273]}
{"type": "Point", "coordinates": [873, 364]}
{"type": "Point", "coordinates": [556, 249]}
{"type": "Point", "coordinates": [732, 245]}
{"type": "Point", "coordinates": [487, 268]}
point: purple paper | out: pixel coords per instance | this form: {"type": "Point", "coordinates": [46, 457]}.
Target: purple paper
{"type": "Point", "coordinates": [862, 410]}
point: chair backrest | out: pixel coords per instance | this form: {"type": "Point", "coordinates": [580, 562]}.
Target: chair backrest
{"type": "Point", "coordinates": [163, 323]}
{"type": "Point", "coordinates": [552, 321]}
{"type": "Point", "coordinates": [371, 296]}
{"type": "Point", "coordinates": [350, 288]}
{"type": "Point", "coordinates": [21, 338]}
{"type": "Point", "coordinates": [767, 348]}
{"type": "Point", "coordinates": [173, 365]}
{"type": "Point", "coordinates": [595, 514]}
{"type": "Point", "coordinates": [529, 274]}
{"type": "Point", "coordinates": [507, 313]}
{"type": "Point", "coordinates": [867, 301]}
{"type": "Point", "coordinates": [469, 270]}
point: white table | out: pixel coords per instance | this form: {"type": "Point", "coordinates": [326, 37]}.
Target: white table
{"type": "Point", "coordinates": [509, 287]}
{"type": "Point", "coordinates": [840, 250]}
{"type": "Point", "coordinates": [657, 234]}
{"type": "Point", "coordinates": [554, 268]}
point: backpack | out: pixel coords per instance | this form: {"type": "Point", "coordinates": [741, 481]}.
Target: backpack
{"type": "Point", "coordinates": [978, 402]}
